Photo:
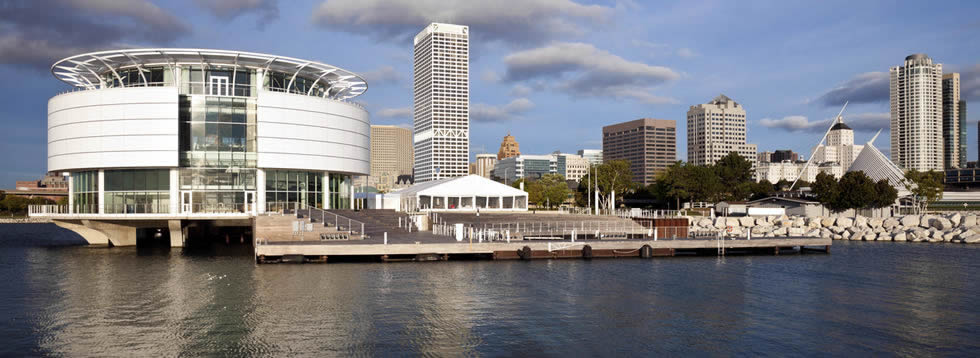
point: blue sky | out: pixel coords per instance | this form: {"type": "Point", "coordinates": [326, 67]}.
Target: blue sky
{"type": "Point", "coordinates": [551, 72]}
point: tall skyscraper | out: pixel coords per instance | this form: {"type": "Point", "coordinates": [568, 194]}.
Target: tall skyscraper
{"type": "Point", "coordinates": [508, 148]}
{"type": "Point", "coordinates": [715, 129]}
{"type": "Point", "coordinates": [650, 145]}
{"type": "Point", "coordinates": [915, 91]}
{"type": "Point", "coordinates": [952, 127]}
{"type": "Point", "coordinates": [840, 149]}
{"type": "Point", "coordinates": [442, 102]}
{"type": "Point", "coordinates": [391, 155]}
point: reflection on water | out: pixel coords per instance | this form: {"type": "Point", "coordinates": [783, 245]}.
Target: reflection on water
{"type": "Point", "coordinates": [864, 298]}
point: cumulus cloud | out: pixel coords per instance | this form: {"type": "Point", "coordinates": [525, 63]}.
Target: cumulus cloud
{"type": "Point", "coordinates": [512, 21]}
{"type": "Point", "coordinates": [37, 33]}
{"type": "Point", "coordinates": [395, 112]}
{"type": "Point", "coordinates": [266, 10]}
{"type": "Point", "coordinates": [480, 112]}
{"type": "Point", "coordinates": [383, 75]}
{"type": "Point", "coordinates": [864, 122]}
{"type": "Point", "coordinates": [870, 87]}
{"type": "Point", "coordinates": [581, 69]}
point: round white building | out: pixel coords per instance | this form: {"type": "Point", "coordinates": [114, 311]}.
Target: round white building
{"type": "Point", "coordinates": [184, 132]}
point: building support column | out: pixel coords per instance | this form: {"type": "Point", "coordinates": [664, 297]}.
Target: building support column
{"type": "Point", "coordinates": [176, 233]}
{"type": "Point", "coordinates": [175, 191]}
{"type": "Point", "coordinates": [326, 191]}
{"type": "Point", "coordinates": [101, 180]}
{"type": "Point", "coordinates": [350, 191]}
{"type": "Point", "coordinates": [260, 186]}
{"type": "Point", "coordinates": [71, 195]}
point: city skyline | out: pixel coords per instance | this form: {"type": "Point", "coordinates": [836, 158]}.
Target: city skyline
{"type": "Point", "coordinates": [526, 78]}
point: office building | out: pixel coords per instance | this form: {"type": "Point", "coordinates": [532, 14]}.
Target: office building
{"type": "Point", "coordinates": [525, 166]}
{"type": "Point", "coordinates": [391, 156]}
{"type": "Point", "coordinates": [954, 127]}
{"type": "Point", "coordinates": [915, 97]}
{"type": "Point", "coordinates": [784, 155]}
{"type": "Point", "coordinates": [594, 156]}
{"type": "Point", "coordinates": [442, 102]}
{"type": "Point", "coordinates": [484, 165]}
{"type": "Point", "coordinates": [839, 150]}
{"type": "Point", "coordinates": [650, 145]}
{"type": "Point", "coordinates": [715, 129]}
{"type": "Point", "coordinates": [571, 166]}
{"type": "Point", "coordinates": [508, 148]}
{"type": "Point", "coordinates": [763, 157]}
{"type": "Point", "coordinates": [158, 138]}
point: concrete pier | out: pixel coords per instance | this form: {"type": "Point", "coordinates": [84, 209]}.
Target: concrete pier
{"type": "Point", "coordinates": [527, 249]}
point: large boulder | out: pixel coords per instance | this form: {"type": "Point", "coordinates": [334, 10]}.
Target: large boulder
{"type": "Point", "coordinates": [795, 231]}
{"type": "Point", "coordinates": [704, 222]}
{"type": "Point", "coordinates": [949, 236]}
{"type": "Point", "coordinates": [870, 235]}
{"type": "Point", "coordinates": [910, 221]}
{"type": "Point", "coordinates": [761, 230]}
{"type": "Point", "coordinates": [890, 223]}
{"type": "Point", "coordinates": [926, 220]}
{"type": "Point", "coordinates": [780, 231]}
{"type": "Point", "coordinates": [969, 220]}
{"type": "Point", "coordinates": [941, 223]}
{"type": "Point", "coordinates": [746, 221]}
{"type": "Point", "coordinates": [733, 222]}
{"type": "Point", "coordinates": [975, 239]}
{"type": "Point", "coordinates": [845, 222]}
{"type": "Point", "coordinates": [875, 223]}
{"type": "Point", "coordinates": [719, 223]}
{"type": "Point", "coordinates": [827, 221]}
{"type": "Point", "coordinates": [798, 222]}
{"type": "Point", "coordinates": [956, 219]}
{"type": "Point", "coordinates": [836, 229]}
{"type": "Point", "coordinates": [899, 236]}
{"type": "Point", "coordinates": [813, 233]}
{"type": "Point", "coordinates": [860, 221]}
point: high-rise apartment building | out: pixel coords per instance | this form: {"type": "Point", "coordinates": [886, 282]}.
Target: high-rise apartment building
{"type": "Point", "coordinates": [650, 145]}
{"type": "Point", "coordinates": [915, 96]}
{"type": "Point", "coordinates": [391, 155]}
{"type": "Point", "coordinates": [508, 148]}
{"type": "Point", "coordinates": [715, 129]}
{"type": "Point", "coordinates": [442, 102]}
{"type": "Point", "coordinates": [954, 127]}
{"type": "Point", "coordinates": [594, 156]}
{"type": "Point", "coordinates": [484, 164]}
{"type": "Point", "coordinates": [763, 157]}
{"type": "Point", "coordinates": [784, 155]}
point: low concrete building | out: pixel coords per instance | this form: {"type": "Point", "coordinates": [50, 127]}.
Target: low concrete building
{"type": "Point", "coordinates": [793, 207]}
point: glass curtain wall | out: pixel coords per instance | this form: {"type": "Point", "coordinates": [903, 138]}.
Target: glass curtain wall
{"type": "Point", "coordinates": [217, 80]}
{"type": "Point", "coordinates": [217, 131]}
{"type": "Point", "coordinates": [287, 187]}
{"type": "Point", "coordinates": [340, 194]}
{"type": "Point", "coordinates": [85, 192]}
{"type": "Point", "coordinates": [140, 191]}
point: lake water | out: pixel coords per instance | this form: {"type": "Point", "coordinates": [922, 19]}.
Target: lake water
{"type": "Point", "coordinates": [862, 299]}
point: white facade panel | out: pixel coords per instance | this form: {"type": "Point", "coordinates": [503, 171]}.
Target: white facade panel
{"type": "Point", "coordinates": [133, 127]}
{"type": "Point", "coordinates": [311, 133]}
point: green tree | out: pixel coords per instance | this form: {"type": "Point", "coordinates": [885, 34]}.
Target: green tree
{"type": "Point", "coordinates": [885, 194]}
{"type": "Point", "coordinates": [857, 191]}
{"type": "Point", "coordinates": [62, 200]}
{"type": "Point", "coordinates": [926, 186]}
{"type": "Point", "coordinates": [554, 189]}
{"type": "Point", "coordinates": [761, 190]}
{"type": "Point", "coordinates": [826, 189]}
{"type": "Point", "coordinates": [733, 168]}
{"type": "Point", "coordinates": [614, 175]}
{"type": "Point", "coordinates": [535, 193]}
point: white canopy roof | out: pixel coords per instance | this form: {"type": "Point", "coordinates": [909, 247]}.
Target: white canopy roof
{"type": "Point", "coordinates": [877, 166]}
{"type": "Point", "coordinates": [470, 185]}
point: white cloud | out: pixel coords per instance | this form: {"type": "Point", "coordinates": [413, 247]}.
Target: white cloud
{"type": "Point", "coordinates": [265, 10]}
{"type": "Point", "coordinates": [512, 21]}
{"type": "Point", "coordinates": [865, 122]}
{"type": "Point", "coordinates": [395, 112]}
{"type": "Point", "coordinates": [382, 75]}
{"type": "Point", "coordinates": [490, 76]}
{"type": "Point", "coordinates": [581, 69]}
{"type": "Point", "coordinates": [480, 112]}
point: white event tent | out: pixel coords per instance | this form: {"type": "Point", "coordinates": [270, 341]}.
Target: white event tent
{"type": "Point", "coordinates": [465, 193]}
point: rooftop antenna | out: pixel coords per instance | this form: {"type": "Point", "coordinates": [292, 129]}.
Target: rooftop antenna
{"type": "Point", "coordinates": [814, 152]}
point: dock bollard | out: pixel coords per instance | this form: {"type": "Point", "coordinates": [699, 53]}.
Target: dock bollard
{"type": "Point", "coordinates": [646, 252]}
{"type": "Point", "coordinates": [587, 251]}
{"type": "Point", "coordinates": [524, 253]}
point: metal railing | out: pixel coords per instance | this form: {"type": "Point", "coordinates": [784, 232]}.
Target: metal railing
{"type": "Point", "coordinates": [342, 223]}
{"type": "Point", "coordinates": [40, 210]}
{"type": "Point", "coordinates": [647, 214]}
